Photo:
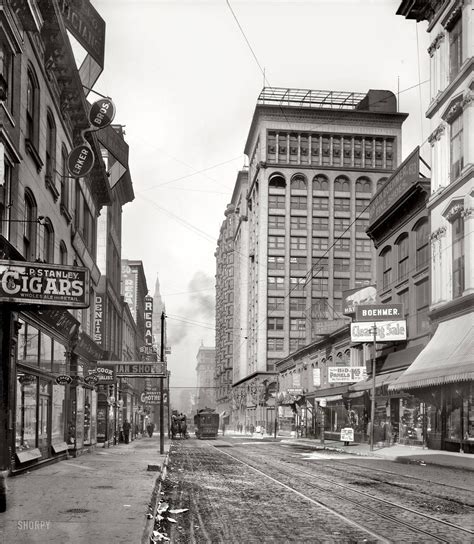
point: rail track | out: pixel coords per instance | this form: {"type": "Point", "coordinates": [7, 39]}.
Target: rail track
{"type": "Point", "coordinates": [377, 516]}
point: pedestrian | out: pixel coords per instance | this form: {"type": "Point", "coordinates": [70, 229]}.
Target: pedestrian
{"type": "Point", "coordinates": [252, 429]}
{"type": "Point", "coordinates": [150, 428]}
{"type": "Point", "coordinates": [126, 431]}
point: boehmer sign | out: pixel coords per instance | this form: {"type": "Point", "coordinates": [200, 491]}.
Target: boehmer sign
{"type": "Point", "coordinates": [379, 312]}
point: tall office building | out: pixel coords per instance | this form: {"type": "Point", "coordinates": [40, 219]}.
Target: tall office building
{"type": "Point", "coordinates": [315, 160]}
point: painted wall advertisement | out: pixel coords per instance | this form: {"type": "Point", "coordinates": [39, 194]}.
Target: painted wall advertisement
{"type": "Point", "coordinates": [129, 278]}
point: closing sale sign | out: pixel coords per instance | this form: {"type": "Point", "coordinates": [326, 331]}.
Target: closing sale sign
{"type": "Point", "coordinates": [44, 284]}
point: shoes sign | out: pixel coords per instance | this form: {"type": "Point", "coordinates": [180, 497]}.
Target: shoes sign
{"type": "Point", "coordinates": [81, 159]}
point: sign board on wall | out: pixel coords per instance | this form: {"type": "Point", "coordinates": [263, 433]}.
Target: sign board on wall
{"type": "Point", "coordinates": [137, 369]}
{"type": "Point", "coordinates": [346, 374]}
{"type": "Point", "coordinates": [99, 319]}
{"type": "Point", "coordinates": [379, 312]}
{"type": "Point", "coordinates": [44, 284]}
{"type": "Point", "coordinates": [386, 331]}
{"type": "Point", "coordinates": [354, 297]}
{"type": "Point", "coordinates": [106, 374]}
{"type": "Point", "coordinates": [316, 377]}
{"type": "Point", "coordinates": [148, 321]}
{"type": "Point", "coordinates": [130, 288]}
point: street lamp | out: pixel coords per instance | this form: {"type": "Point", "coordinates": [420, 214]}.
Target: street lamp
{"type": "Point", "coordinates": [372, 405]}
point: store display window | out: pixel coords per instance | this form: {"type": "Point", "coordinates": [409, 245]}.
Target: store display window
{"type": "Point", "coordinates": [26, 411]}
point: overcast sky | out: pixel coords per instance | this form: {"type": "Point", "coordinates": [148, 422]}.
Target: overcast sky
{"type": "Point", "coordinates": [185, 84]}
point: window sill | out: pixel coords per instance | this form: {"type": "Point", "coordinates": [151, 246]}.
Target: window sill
{"type": "Point", "coordinates": [66, 213]}
{"type": "Point", "coordinates": [49, 181]}
{"type": "Point", "coordinates": [31, 149]}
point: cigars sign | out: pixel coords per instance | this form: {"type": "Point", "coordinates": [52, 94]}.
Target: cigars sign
{"type": "Point", "coordinates": [44, 284]}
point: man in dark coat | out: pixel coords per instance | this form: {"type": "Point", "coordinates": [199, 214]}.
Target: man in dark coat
{"type": "Point", "coordinates": [126, 431]}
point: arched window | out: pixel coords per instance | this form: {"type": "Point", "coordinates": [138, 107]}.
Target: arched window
{"type": "Point", "coordinates": [320, 183]}
{"type": "Point", "coordinates": [422, 247]}
{"type": "Point", "coordinates": [62, 253]}
{"type": "Point", "coordinates": [363, 185]}
{"type": "Point", "coordinates": [403, 251]}
{"type": "Point", "coordinates": [32, 108]}
{"type": "Point", "coordinates": [298, 182]}
{"type": "Point", "coordinates": [277, 181]}
{"type": "Point", "coordinates": [48, 241]}
{"type": "Point", "coordinates": [64, 181]}
{"type": "Point", "coordinates": [341, 183]}
{"type": "Point", "coordinates": [386, 258]}
{"type": "Point", "coordinates": [30, 223]}
{"type": "Point", "coordinates": [381, 182]}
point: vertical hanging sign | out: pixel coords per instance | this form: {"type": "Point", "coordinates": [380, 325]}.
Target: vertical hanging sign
{"type": "Point", "coordinates": [148, 321]}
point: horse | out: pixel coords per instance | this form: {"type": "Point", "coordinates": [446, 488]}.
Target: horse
{"type": "Point", "coordinates": [179, 426]}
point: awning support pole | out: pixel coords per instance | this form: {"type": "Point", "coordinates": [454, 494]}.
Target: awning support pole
{"type": "Point", "coordinates": [372, 405]}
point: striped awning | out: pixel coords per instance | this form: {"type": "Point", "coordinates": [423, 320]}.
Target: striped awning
{"type": "Point", "coordinates": [447, 358]}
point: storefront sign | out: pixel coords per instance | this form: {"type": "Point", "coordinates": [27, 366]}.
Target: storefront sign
{"type": "Point", "coordinates": [92, 379]}
{"type": "Point", "coordinates": [355, 297]}
{"type": "Point", "coordinates": [106, 374]}
{"type": "Point", "coordinates": [62, 321]}
{"type": "Point", "coordinates": [316, 377]}
{"type": "Point", "coordinates": [346, 374]}
{"type": "Point", "coordinates": [80, 161]}
{"type": "Point", "coordinates": [130, 288]}
{"type": "Point", "coordinates": [63, 379]}
{"type": "Point", "coordinates": [153, 397]}
{"type": "Point", "coordinates": [148, 321]}
{"type": "Point", "coordinates": [347, 435]}
{"type": "Point", "coordinates": [379, 312]}
{"type": "Point", "coordinates": [102, 113]}
{"type": "Point", "coordinates": [138, 369]}
{"type": "Point", "coordinates": [44, 284]}
{"type": "Point", "coordinates": [99, 319]}
{"type": "Point", "coordinates": [407, 174]}
{"type": "Point", "coordinates": [88, 348]}
{"type": "Point", "coordinates": [386, 331]}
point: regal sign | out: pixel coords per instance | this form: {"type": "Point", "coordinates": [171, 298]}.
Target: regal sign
{"type": "Point", "coordinates": [44, 284]}
{"type": "Point", "coordinates": [148, 321]}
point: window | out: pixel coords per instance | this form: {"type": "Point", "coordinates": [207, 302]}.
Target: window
{"type": "Point", "coordinates": [320, 244]}
{"type": "Point", "coordinates": [298, 222]}
{"type": "Point", "coordinates": [275, 344]}
{"type": "Point", "coordinates": [276, 201]}
{"type": "Point", "coordinates": [275, 323]}
{"type": "Point", "coordinates": [298, 182]}
{"type": "Point", "coordinates": [342, 204]}
{"type": "Point", "coordinates": [341, 183]}
{"type": "Point", "coordinates": [386, 258]}
{"type": "Point", "coordinates": [277, 181]}
{"type": "Point", "coordinates": [402, 245]}
{"type": "Point", "coordinates": [362, 205]}
{"type": "Point", "coordinates": [50, 148]}
{"type": "Point", "coordinates": [362, 225]}
{"type": "Point", "coordinates": [276, 242]}
{"type": "Point", "coordinates": [422, 247]}
{"type": "Point", "coordinates": [341, 224]}
{"type": "Point", "coordinates": [276, 282]}
{"type": "Point", "coordinates": [275, 303]}
{"type": "Point", "coordinates": [29, 232]}
{"type": "Point", "coordinates": [363, 245]}
{"type": "Point", "coordinates": [320, 223]}
{"type": "Point", "coordinates": [343, 244]}
{"type": "Point", "coordinates": [458, 256]}
{"type": "Point", "coordinates": [363, 185]}
{"type": "Point", "coordinates": [341, 284]}
{"type": "Point", "coordinates": [404, 298]}
{"type": "Point", "coordinates": [282, 146]}
{"type": "Point", "coordinates": [381, 183]}
{"type": "Point", "coordinates": [298, 243]}
{"type": "Point", "coordinates": [297, 263]}
{"type": "Point", "coordinates": [276, 221]}
{"type": "Point", "coordinates": [296, 344]}
{"type": "Point", "coordinates": [457, 155]}
{"type": "Point", "coordinates": [336, 150]}
{"type": "Point", "coordinates": [320, 183]}
{"type": "Point", "coordinates": [341, 265]}
{"type": "Point", "coordinates": [32, 107]}
{"type": "Point", "coordinates": [455, 48]}
{"type": "Point", "coordinates": [298, 202]}
{"type": "Point", "coordinates": [297, 324]}
{"type": "Point", "coordinates": [363, 265]}
{"type": "Point", "coordinates": [320, 203]}
{"type": "Point", "coordinates": [65, 204]}
{"type": "Point", "coordinates": [271, 146]}
{"type": "Point", "coordinates": [48, 242]}
{"type": "Point", "coordinates": [320, 265]}
{"type": "Point", "coordinates": [320, 285]}
{"type": "Point", "coordinates": [319, 308]}
{"type": "Point", "coordinates": [62, 253]}
{"type": "Point", "coordinates": [276, 263]}
{"type": "Point", "coordinates": [297, 304]}
{"type": "Point", "coordinates": [6, 70]}
{"type": "Point", "coordinates": [422, 303]}
{"type": "Point", "coordinates": [297, 283]}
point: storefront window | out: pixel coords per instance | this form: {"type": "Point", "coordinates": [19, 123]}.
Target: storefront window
{"type": "Point", "coordinates": [27, 398]}
{"type": "Point", "coordinates": [59, 358]}
{"type": "Point", "coordinates": [87, 416]}
{"type": "Point", "coordinates": [28, 345]}
{"type": "Point", "coordinates": [43, 413]}
{"type": "Point", "coordinates": [46, 345]}
{"type": "Point", "coordinates": [411, 421]}
{"type": "Point", "coordinates": [57, 423]}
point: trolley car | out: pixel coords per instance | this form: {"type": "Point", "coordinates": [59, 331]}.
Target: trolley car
{"type": "Point", "coordinates": [206, 423]}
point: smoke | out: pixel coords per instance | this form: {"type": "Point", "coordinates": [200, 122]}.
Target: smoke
{"type": "Point", "coordinates": [201, 307]}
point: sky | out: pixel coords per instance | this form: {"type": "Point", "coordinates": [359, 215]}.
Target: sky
{"type": "Point", "coordinates": [185, 77]}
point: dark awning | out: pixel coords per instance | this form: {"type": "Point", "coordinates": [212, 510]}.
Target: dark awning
{"type": "Point", "coordinates": [329, 393]}
{"type": "Point", "coordinates": [402, 359]}
{"type": "Point", "coordinates": [380, 380]}
{"type": "Point", "coordinates": [448, 357]}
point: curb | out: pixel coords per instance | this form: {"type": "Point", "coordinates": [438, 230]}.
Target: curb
{"type": "Point", "coordinates": [154, 501]}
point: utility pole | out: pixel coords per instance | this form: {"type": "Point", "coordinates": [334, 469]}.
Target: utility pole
{"type": "Point", "coordinates": [372, 405]}
{"type": "Point", "coordinates": [162, 404]}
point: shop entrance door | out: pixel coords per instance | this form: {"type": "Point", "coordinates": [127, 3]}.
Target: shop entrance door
{"type": "Point", "coordinates": [395, 419]}
{"type": "Point", "coordinates": [44, 418]}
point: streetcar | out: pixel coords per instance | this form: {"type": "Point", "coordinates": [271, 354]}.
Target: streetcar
{"type": "Point", "coordinates": [206, 423]}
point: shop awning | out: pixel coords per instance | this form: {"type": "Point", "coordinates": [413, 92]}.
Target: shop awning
{"type": "Point", "coordinates": [380, 380]}
{"type": "Point", "coordinates": [448, 357]}
{"type": "Point", "coordinates": [397, 360]}
{"type": "Point", "coordinates": [329, 393]}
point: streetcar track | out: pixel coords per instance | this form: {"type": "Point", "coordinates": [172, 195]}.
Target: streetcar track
{"type": "Point", "coordinates": [353, 501]}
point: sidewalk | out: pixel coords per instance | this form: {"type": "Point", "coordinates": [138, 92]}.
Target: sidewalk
{"type": "Point", "coordinates": [397, 452]}
{"type": "Point", "coordinates": [99, 497]}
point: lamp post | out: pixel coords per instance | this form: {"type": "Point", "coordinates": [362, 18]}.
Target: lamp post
{"type": "Point", "coordinates": [372, 405]}
{"type": "Point", "coordinates": [162, 404]}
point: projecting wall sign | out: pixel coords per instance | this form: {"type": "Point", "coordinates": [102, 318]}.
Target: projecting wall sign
{"type": "Point", "coordinates": [80, 161]}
